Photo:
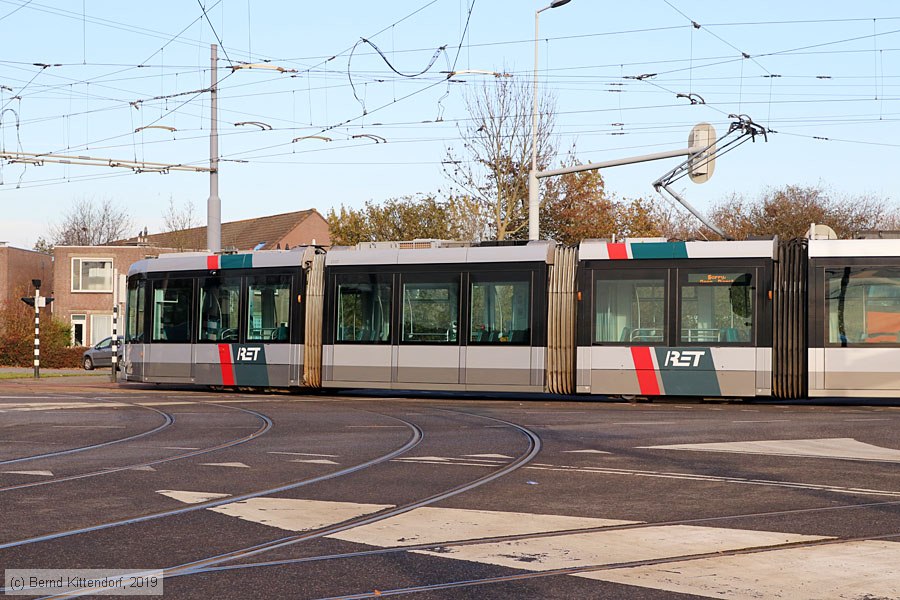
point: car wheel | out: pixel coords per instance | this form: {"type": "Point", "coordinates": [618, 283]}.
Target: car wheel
{"type": "Point", "coordinates": [88, 363]}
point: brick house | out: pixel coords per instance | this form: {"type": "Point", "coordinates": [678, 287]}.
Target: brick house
{"type": "Point", "coordinates": [18, 267]}
{"type": "Point", "coordinates": [83, 281]}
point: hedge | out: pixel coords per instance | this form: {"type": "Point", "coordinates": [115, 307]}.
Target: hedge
{"type": "Point", "coordinates": [17, 339]}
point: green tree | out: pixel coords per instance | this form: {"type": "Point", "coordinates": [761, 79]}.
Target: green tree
{"type": "Point", "coordinates": [406, 218]}
{"type": "Point", "coordinates": [575, 206]}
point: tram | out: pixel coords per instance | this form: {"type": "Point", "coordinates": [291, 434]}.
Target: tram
{"type": "Point", "coordinates": [644, 317]}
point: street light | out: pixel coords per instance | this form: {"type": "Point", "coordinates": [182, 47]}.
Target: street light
{"type": "Point", "coordinates": [533, 200]}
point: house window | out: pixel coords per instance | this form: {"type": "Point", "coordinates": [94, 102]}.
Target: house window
{"type": "Point", "coordinates": [101, 327]}
{"type": "Point", "coordinates": [92, 275]}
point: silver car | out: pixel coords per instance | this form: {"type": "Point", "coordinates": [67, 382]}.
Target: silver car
{"type": "Point", "coordinates": [100, 355]}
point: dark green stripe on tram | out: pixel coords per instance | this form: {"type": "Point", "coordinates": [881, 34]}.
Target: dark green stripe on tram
{"type": "Point", "coordinates": [237, 261]}
{"type": "Point", "coordinates": [250, 366]}
{"type": "Point", "coordinates": [650, 250]}
{"type": "Point", "coordinates": [688, 372]}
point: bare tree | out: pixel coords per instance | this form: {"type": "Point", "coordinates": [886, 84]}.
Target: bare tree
{"type": "Point", "coordinates": [91, 223]}
{"type": "Point", "coordinates": [496, 158]}
{"type": "Point", "coordinates": [180, 218]}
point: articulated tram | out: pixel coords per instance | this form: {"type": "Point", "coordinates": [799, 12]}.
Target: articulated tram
{"type": "Point", "coordinates": [796, 319]}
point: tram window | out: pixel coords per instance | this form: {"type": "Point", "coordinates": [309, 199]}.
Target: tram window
{"type": "Point", "coordinates": [717, 308]}
{"type": "Point", "coordinates": [172, 310]}
{"type": "Point", "coordinates": [219, 301]}
{"type": "Point", "coordinates": [363, 309]}
{"type": "Point", "coordinates": [136, 308]}
{"type": "Point", "coordinates": [269, 314]}
{"type": "Point", "coordinates": [629, 311]}
{"type": "Point", "coordinates": [431, 312]}
{"type": "Point", "coordinates": [863, 305]}
{"type": "Point", "coordinates": [501, 311]}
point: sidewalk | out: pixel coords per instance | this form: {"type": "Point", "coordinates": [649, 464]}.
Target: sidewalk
{"type": "Point", "coordinates": [23, 378]}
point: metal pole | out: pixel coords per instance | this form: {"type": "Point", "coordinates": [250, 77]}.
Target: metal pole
{"type": "Point", "coordinates": [37, 333]}
{"type": "Point", "coordinates": [115, 329]}
{"type": "Point", "coordinates": [533, 186]}
{"type": "Point", "coordinates": [213, 204]}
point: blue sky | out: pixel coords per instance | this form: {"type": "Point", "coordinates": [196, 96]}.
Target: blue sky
{"type": "Point", "coordinates": [823, 75]}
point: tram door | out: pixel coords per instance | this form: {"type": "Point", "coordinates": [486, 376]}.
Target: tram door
{"type": "Point", "coordinates": [499, 353]}
{"type": "Point", "coordinates": [862, 327]}
{"type": "Point", "coordinates": [428, 352]}
{"type": "Point", "coordinates": [361, 353]}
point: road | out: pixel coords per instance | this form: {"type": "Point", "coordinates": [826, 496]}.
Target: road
{"type": "Point", "coordinates": [239, 495]}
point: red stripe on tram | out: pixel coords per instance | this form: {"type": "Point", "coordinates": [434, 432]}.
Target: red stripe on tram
{"type": "Point", "coordinates": [617, 251]}
{"type": "Point", "coordinates": [646, 374]}
{"type": "Point", "coordinates": [227, 367]}
{"type": "Point", "coordinates": [212, 262]}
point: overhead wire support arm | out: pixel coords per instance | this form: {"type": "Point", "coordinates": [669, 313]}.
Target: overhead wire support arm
{"type": "Point", "coordinates": [701, 160]}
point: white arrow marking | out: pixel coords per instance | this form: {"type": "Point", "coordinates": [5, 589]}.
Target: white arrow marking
{"type": "Point", "coordinates": [191, 497]}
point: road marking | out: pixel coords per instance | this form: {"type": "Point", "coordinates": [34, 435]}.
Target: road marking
{"type": "Point", "coordinates": [585, 452]}
{"type": "Point", "coordinates": [867, 569]}
{"type": "Point", "coordinates": [838, 448]}
{"type": "Point", "coordinates": [178, 448]}
{"type": "Point", "coordinates": [191, 497]}
{"type": "Point", "coordinates": [314, 461]}
{"type": "Point", "coordinates": [486, 456]}
{"type": "Point", "coordinates": [646, 423]}
{"type": "Point", "coordinates": [769, 421]}
{"type": "Point", "coordinates": [864, 420]}
{"type": "Point", "coordinates": [36, 406]}
{"type": "Point", "coordinates": [431, 525]}
{"type": "Point", "coordinates": [376, 426]}
{"type": "Point", "coordinates": [233, 465]}
{"type": "Point", "coordinates": [297, 515]}
{"type": "Point", "coordinates": [718, 479]}
{"type": "Point", "coordinates": [618, 546]}
{"type": "Point", "coordinates": [92, 426]}
{"type": "Point", "coordinates": [43, 473]}
{"type": "Point", "coordinates": [305, 454]}
{"type": "Point", "coordinates": [143, 468]}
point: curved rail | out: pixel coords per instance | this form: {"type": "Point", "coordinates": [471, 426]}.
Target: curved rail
{"type": "Point", "coordinates": [169, 419]}
{"type": "Point", "coordinates": [413, 441]}
{"type": "Point", "coordinates": [267, 424]}
{"type": "Point", "coordinates": [534, 447]}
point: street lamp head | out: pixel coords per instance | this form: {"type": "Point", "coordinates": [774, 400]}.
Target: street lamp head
{"type": "Point", "coordinates": [558, 3]}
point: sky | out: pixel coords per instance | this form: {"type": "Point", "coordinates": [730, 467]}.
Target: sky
{"type": "Point", "coordinates": [822, 77]}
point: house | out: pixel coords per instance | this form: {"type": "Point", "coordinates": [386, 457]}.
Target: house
{"type": "Point", "coordinates": [18, 267]}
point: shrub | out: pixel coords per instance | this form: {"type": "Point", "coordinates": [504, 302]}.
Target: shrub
{"type": "Point", "coordinates": [17, 338]}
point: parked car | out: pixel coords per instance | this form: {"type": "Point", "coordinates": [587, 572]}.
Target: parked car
{"type": "Point", "coordinates": [100, 355]}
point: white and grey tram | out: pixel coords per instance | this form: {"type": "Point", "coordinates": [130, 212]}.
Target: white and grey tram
{"type": "Point", "coordinates": [797, 319]}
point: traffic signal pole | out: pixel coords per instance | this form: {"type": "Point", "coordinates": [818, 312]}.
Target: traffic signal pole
{"type": "Point", "coordinates": [37, 328]}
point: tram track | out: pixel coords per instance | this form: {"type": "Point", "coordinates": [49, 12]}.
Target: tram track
{"type": "Point", "coordinates": [203, 565]}
{"type": "Point", "coordinates": [416, 436]}
{"type": "Point", "coordinates": [168, 420]}
{"type": "Point", "coordinates": [531, 575]}
{"type": "Point", "coordinates": [266, 426]}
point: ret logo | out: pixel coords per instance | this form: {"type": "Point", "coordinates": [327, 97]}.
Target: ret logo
{"type": "Point", "coordinates": [684, 358]}
{"type": "Point", "coordinates": [247, 354]}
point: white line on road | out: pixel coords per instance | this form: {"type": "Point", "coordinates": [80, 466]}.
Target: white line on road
{"type": "Point", "coordinates": [305, 454]}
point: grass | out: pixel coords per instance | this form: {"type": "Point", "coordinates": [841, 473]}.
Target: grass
{"type": "Point", "coordinates": [46, 375]}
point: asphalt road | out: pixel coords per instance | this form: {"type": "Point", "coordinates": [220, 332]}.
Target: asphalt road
{"type": "Point", "coordinates": [238, 495]}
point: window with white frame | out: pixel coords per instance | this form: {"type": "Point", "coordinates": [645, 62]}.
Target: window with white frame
{"type": "Point", "coordinates": [92, 275]}
{"type": "Point", "coordinates": [101, 327]}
